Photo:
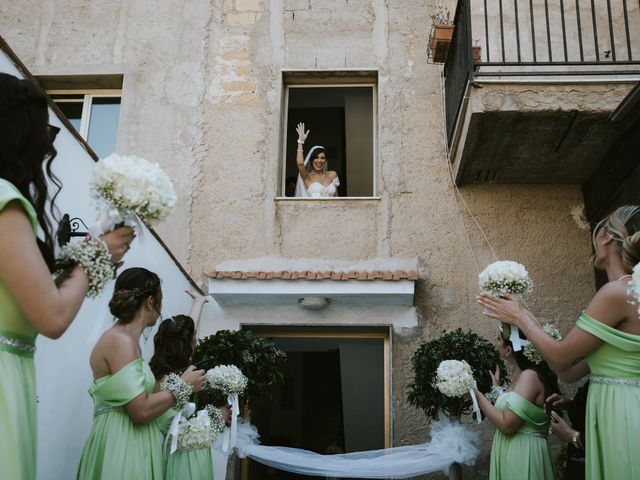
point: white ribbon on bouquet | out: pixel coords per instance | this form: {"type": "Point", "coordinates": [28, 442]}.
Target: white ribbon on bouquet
{"type": "Point", "coordinates": [174, 430]}
{"type": "Point", "coordinates": [231, 434]}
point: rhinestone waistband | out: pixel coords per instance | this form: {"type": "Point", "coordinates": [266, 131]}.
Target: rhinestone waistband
{"type": "Point", "coordinates": [533, 434]}
{"type": "Point", "coordinates": [634, 382]}
{"type": "Point", "coordinates": [16, 345]}
{"type": "Point", "coordinates": [102, 409]}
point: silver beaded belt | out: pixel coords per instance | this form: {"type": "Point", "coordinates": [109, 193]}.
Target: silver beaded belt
{"type": "Point", "coordinates": [634, 382]}
{"type": "Point", "coordinates": [533, 434]}
{"type": "Point", "coordinates": [102, 409]}
{"type": "Point", "coordinates": [20, 346]}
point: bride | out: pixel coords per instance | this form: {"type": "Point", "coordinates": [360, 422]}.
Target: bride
{"type": "Point", "coordinates": [314, 180]}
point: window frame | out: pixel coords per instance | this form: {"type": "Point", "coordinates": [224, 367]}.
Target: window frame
{"type": "Point", "coordinates": [285, 122]}
{"type": "Point", "coordinates": [87, 101]}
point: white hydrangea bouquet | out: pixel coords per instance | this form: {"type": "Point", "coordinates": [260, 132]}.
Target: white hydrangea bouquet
{"type": "Point", "coordinates": [193, 432]}
{"type": "Point", "coordinates": [503, 277]}
{"type": "Point", "coordinates": [454, 378]}
{"type": "Point", "coordinates": [229, 380]}
{"type": "Point", "coordinates": [633, 289]}
{"type": "Point", "coordinates": [128, 186]}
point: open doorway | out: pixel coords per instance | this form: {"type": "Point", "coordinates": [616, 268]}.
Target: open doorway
{"type": "Point", "coordinates": [334, 398]}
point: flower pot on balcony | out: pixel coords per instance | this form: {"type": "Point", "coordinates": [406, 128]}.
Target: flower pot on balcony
{"type": "Point", "coordinates": [476, 53]}
{"type": "Point", "coordinates": [440, 40]}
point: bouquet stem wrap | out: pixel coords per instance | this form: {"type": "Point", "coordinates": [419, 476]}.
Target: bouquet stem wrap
{"type": "Point", "coordinates": [174, 429]}
{"type": "Point", "coordinates": [474, 400]}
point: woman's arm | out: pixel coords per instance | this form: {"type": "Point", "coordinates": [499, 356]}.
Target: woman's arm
{"type": "Point", "coordinates": [146, 407]}
{"type": "Point", "coordinates": [574, 373]}
{"type": "Point", "coordinates": [607, 306]}
{"type": "Point", "coordinates": [302, 137]}
{"type": "Point", "coordinates": [49, 309]}
{"type": "Point", "coordinates": [527, 386]}
{"type": "Point", "coordinates": [197, 305]}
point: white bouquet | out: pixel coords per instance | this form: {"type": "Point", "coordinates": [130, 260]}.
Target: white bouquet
{"type": "Point", "coordinates": [505, 277]}
{"type": "Point", "coordinates": [132, 185]}
{"type": "Point", "coordinates": [634, 286]}
{"type": "Point", "coordinates": [228, 379]}
{"type": "Point", "coordinates": [196, 432]}
{"type": "Point", "coordinates": [454, 378]}
{"type": "Point", "coordinates": [217, 420]}
{"type": "Point", "coordinates": [531, 353]}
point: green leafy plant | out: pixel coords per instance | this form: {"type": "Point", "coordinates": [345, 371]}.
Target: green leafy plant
{"type": "Point", "coordinates": [477, 351]}
{"type": "Point", "coordinates": [258, 358]}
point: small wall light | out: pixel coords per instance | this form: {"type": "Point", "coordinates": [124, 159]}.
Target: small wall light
{"type": "Point", "coordinates": [314, 303]}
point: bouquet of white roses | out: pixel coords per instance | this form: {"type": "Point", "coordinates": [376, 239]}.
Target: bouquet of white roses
{"type": "Point", "coordinates": [454, 378]}
{"type": "Point", "coordinates": [634, 286]}
{"type": "Point", "coordinates": [197, 432]}
{"type": "Point", "coordinates": [228, 379]}
{"type": "Point", "coordinates": [531, 353]}
{"type": "Point", "coordinates": [131, 185]}
{"type": "Point", "coordinates": [505, 277]}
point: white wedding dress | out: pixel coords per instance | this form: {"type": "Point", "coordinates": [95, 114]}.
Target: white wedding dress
{"type": "Point", "coordinates": [317, 189]}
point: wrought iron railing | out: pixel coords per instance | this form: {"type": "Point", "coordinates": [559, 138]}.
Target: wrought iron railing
{"type": "Point", "coordinates": [458, 69]}
{"type": "Point", "coordinates": [539, 37]}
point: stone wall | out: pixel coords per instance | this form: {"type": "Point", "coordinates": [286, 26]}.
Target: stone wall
{"type": "Point", "coordinates": [202, 95]}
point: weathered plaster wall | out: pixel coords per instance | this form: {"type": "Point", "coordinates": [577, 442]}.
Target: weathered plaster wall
{"type": "Point", "coordinates": [202, 95]}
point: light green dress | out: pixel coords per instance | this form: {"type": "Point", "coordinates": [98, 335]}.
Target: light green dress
{"type": "Point", "coordinates": [17, 373]}
{"type": "Point", "coordinates": [524, 454]}
{"type": "Point", "coordinates": [189, 464]}
{"type": "Point", "coordinates": [613, 404]}
{"type": "Point", "coordinates": [117, 448]}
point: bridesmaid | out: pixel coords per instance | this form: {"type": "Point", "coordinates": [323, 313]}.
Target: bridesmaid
{"type": "Point", "coordinates": [174, 344]}
{"type": "Point", "coordinates": [607, 335]}
{"type": "Point", "coordinates": [30, 302]}
{"type": "Point", "coordinates": [125, 441]}
{"type": "Point", "coordinates": [520, 449]}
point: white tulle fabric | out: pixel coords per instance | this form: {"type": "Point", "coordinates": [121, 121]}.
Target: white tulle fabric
{"type": "Point", "coordinates": [301, 188]}
{"type": "Point", "coordinates": [450, 442]}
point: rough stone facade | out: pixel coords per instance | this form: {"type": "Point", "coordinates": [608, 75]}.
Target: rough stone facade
{"type": "Point", "coordinates": [202, 95]}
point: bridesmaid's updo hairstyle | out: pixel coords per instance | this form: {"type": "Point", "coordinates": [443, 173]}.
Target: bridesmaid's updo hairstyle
{"type": "Point", "coordinates": [548, 378]}
{"type": "Point", "coordinates": [173, 345]}
{"type": "Point", "coordinates": [624, 226]}
{"type": "Point", "coordinates": [133, 287]}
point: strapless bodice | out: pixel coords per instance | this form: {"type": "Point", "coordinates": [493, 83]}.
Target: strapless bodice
{"type": "Point", "coordinates": [316, 189]}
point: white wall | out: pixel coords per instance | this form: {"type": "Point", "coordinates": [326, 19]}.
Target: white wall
{"type": "Point", "coordinates": [65, 409]}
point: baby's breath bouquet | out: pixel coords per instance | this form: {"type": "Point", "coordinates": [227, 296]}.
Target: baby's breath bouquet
{"type": "Point", "coordinates": [634, 286]}
{"type": "Point", "coordinates": [505, 277]}
{"type": "Point", "coordinates": [454, 378]}
{"type": "Point", "coordinates": [227, 379]}
{"type": "Point", "coordinates": [131, 185]}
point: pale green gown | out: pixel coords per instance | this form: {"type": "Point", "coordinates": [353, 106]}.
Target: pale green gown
{"type": "Point", "coordinates": [613, 404]}
{"type": "Point", "coordinates": [524, 454]}
{"type": "Point", "coordinates": [189, 464]}
{"type": "Point", "coordinates": [17, 373]}
{"type": "Point", "coordinates": [117, 448]}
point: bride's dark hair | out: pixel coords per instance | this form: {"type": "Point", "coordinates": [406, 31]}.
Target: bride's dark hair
{"type": "Point", "coordinates": [25, 144]}
{"type": "Point", "coordinates": [548, 378]}
{"type": "Point", "coordinates": [173, 345]}
{"type": "Point", "coordinates": [316, 151]}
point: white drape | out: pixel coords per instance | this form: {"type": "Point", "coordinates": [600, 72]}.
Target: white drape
{"type": "Point", "coordinates": [450, 442]}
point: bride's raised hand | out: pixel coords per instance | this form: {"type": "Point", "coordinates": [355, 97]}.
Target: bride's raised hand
{"type": "Point", "coordinates": [302, 135]}
{"type": "Point", "coordinates": [505, 308]}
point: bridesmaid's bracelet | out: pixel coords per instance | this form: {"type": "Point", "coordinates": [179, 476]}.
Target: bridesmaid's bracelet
{"type": "Point", "coordinates": [179, 388]}
{"type": "Point", "coordinates": [96, 262]}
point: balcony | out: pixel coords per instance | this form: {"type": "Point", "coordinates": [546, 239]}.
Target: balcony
{"type": "Point", "coordinates": [535, 108]}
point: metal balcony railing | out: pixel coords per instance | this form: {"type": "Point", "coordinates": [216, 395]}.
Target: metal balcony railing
{"type": "Point", "coordinates": [540, 37]}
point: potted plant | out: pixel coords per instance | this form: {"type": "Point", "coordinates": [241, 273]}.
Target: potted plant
{"type": "Point", "coordinates": [478, 352]}
{"type": "Point", "coordinates": [441, 33]}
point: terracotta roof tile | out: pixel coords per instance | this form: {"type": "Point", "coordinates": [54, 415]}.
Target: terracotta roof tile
{"type": "Point", "coordinates": [310, 275]}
